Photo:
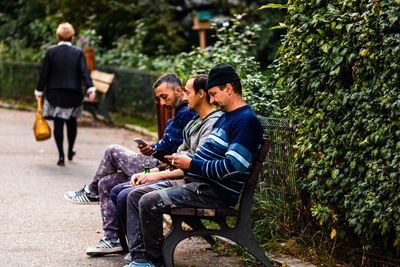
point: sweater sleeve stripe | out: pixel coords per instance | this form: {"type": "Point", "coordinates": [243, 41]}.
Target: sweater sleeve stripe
{"type": "Point", "coordinates": [216, 170]}
{"type": "Point", "coordinates": [244, 162]}
{"type": "Point", "coordinates": [218, 140]}
{"type": "Point", "coordinates": [210, 152]}
{"type": "Point", "coordinates": [226, 168]}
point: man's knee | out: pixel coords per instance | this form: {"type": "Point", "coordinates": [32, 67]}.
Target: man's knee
{"type": "Point", "coordinates": [113, 148]}
{"type": "Point", "coordinates": [150, 202]}
{"type": "Point", "coordinates": [134, 197]}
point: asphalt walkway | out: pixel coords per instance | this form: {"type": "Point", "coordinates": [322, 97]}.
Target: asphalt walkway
{"type": "Point", "coordinates": [39, 227]}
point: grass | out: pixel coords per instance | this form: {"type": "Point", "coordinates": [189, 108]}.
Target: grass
{"type": "Point", "coordinates": [20, 104]}
{"type": "Point", "coordinates": [148, 123]}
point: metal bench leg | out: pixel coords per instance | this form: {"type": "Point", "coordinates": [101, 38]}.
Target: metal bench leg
{"type": "Point", "coordinates": [171, 240]}
{"type": "Point", "coordinates": [246, 239]}
{"type": "Point", "coordinates": [196, 223]}
{"type": "Point", "coordinates": [103, 109]}
{"type": "Point", "coordinates": [89, 108]}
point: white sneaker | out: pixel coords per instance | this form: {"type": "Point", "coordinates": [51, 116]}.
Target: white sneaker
{"type": "Point", "coordinates": [104, 247]}
{"type": "Point", "coordinates": [82, 196]}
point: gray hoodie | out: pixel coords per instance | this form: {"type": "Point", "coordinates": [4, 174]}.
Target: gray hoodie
{"type": "Point", "coordinates": [196, 133]}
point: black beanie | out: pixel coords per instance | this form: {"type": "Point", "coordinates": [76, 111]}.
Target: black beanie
{"type": "Point", "coordinates": [221, 74]}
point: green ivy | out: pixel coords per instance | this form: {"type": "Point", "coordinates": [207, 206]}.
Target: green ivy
{"type": "Point", "coordinates": [338, 73]}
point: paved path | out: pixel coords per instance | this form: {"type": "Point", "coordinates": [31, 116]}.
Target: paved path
{"type": "Point", "coordinates": [39, 227]}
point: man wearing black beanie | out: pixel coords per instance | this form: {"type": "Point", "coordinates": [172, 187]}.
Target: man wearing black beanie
{"type": "Point", "coordinates": [231, 148]}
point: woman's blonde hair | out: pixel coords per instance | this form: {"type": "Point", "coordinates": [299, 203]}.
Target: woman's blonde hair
{"type": "Point", "coordinates": [65, 32]}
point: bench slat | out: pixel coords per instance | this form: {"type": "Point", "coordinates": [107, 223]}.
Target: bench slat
{"type": "Point", "coordinates": [184, 211]}
{"type": "Point", "coordinates": [102, 80]}
{"type": "Point", "coordinates": [204, 212]}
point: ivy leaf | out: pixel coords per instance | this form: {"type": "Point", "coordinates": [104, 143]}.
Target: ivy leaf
{"type": "Point", "coordinates": [325, 47]}
{"type": "Point", "coordinates": [333, 233]}
{"type": "Point", "coordinates": [273, 5]}
{"type": "Point", "coordinates": [280, 26]}
{"type": "Point", "coordinates": [280, 81]}
{"type": "Point", "coordinates": [348, 26]}
{"type": "Point", "coordinates": [334, 173]}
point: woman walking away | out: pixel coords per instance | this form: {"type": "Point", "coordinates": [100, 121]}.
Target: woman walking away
{"type": "Point", "coordinates": [64, 68]}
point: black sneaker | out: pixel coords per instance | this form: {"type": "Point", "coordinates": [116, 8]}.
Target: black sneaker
{"type": "Point", "coordinates": [104, 247]}
{"type": "Point", "coordinates": [83, 196]}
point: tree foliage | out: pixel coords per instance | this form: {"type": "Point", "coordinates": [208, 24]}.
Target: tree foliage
{"type": "Point", "coordinates": [165, 26]}
{"type": "Point", "coordinates": [338, 73]}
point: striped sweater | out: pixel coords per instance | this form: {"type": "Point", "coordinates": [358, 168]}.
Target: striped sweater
{"type": "Point", "coordinates": [232, 146]}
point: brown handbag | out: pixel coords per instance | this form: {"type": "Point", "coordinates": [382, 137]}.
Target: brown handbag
{"type": "Point", "coordinates": [41, 129]}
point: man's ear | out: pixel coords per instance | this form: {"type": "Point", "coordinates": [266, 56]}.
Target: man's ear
{"type": "Point", "coordinates": [229, 88]}
{"type": "Point", "coordinates": [202, 93]}
{"type": "Point", "coordinates": [178, 90]}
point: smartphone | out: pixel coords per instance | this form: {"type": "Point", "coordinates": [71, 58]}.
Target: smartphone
{"type": "Point", "coordinates": [159, 154]}
{"type": "Point", "coordinates": [140, 141]}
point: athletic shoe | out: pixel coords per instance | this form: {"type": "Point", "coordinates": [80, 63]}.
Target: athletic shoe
{"type": "Point", "coordinates": [104, 247]}
{"type": "Point", "coordinates": [82, 196]}
{"type": "Point", "coordinates": [140, 264]}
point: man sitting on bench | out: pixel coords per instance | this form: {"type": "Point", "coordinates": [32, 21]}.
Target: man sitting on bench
{"type": "Point", "coordinates": [231, 148]}
{"type": "Point", "coordinates": [118, 163]}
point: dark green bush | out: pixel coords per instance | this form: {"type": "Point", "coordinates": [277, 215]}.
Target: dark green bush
{"type": "Point", "coordinates": [338, 74]}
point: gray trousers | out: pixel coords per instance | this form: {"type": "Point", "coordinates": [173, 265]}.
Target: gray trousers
{"type": "Point", "coordinates": [116, 166]}
{"type": "Point", "coordinates": [146, 206]}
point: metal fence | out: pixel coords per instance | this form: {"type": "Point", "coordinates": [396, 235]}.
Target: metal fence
{"type": "Point", "coordinates": [132, 91]}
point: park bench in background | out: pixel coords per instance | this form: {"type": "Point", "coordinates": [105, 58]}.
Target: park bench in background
{"type": "Point", "coordinates": [279, 136]}
{"type": "Point", "coordinates": [103, 82]}
{"type": "Point", "coordinates": [163, 115]}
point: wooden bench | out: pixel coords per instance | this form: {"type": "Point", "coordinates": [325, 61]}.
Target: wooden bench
{"type": "Point", "coordinates": [103, 82]}
{"type": "Point", "coordinates": [163, 115]}
{"type": "Point", "coordinates": [278, 132]}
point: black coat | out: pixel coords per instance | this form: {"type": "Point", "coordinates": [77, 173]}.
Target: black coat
{"type": "Point", "coordinates": [64, 68]}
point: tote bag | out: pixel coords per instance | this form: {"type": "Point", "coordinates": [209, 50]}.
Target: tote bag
{"type": "Point", "coordinates": [41, 129]}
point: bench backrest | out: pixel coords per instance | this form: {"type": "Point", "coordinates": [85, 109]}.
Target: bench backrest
{"type": "Point", "coordinates": [102, 80]}
{"type": "Point", "coordinates": [246, 197]}
{"type": "Point", "coordinates": [163, 115]}
{"type": "Point", "coordinates": [276, 132]}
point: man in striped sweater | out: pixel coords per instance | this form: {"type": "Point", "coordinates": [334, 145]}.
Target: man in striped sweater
{"type": "Point", "coordinates": [211, 180]}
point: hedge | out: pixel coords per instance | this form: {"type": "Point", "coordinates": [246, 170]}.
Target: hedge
{"type": "Point", "coordinates": [338, 73]}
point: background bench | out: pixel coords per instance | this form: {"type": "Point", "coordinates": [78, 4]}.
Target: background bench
{"type": "Point", "coordinates": [103, 82]}
{"type": "Point", "coordinates": [279, 137]}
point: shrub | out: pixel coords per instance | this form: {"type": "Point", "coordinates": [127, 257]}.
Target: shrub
{"type": "Point", "coordinates": [234, 41]}
{"type": "Point", "coordinates": [338, 74]}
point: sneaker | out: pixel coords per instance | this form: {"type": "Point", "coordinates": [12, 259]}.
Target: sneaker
{"type": "Point", "coordinates": [140, 264]}
{"type": "Point", "coordinates": [104, 247]}
{"type": "Point", "coordinates": [82, 196]}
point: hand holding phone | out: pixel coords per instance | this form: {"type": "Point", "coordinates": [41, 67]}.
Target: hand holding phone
{"type": "Point", "coordinates": [144, 148]}
{"type": "Point", "coordinates": [159, 154]}
{"type": "Point", "coordinates": [140, 142]}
